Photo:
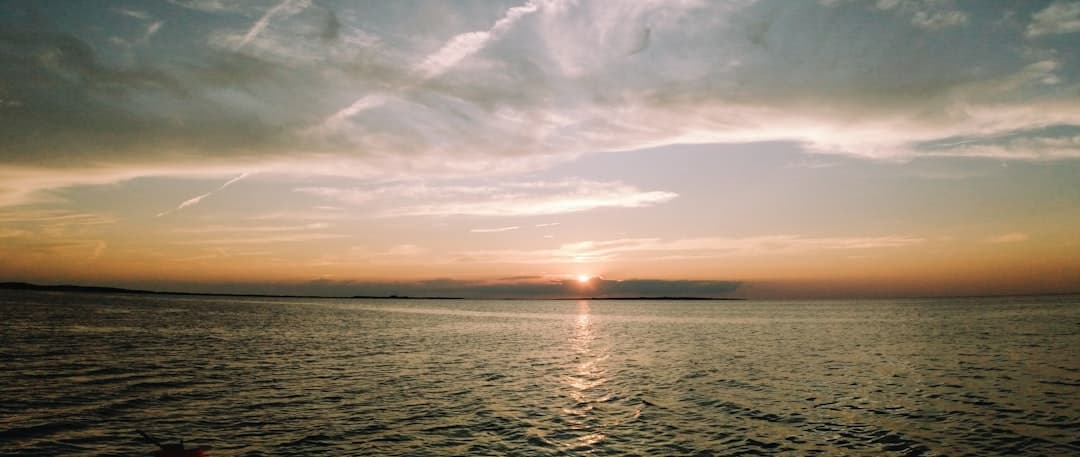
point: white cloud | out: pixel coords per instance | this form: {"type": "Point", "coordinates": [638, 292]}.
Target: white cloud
{"type": "Point", "coordinates": [151, 30]}
{"type": "Point", "coordinates": [1017, 148]}
{"type": "Point", "coordinates": [253, 228]}
{"type": "Point", "coordinates": [939, 19]}
{"type": "Point", "coordinates": [495, 230]}
{"type": "Point", "coordinates": [545, 83]}
{"type": "Point", "coordinates": [286, 7]}
{"type": "Point", "coordinates": [467, 44]}
{"type": "Point", "coordinates": [196, 200]}
{"type": "Point", "coordinates": [137, 14]}
{"type": "Point", "coordinates": [646, 107]}
{"type": "Point", "coordinates": [32, 185]}
{"type": "Point", "coordinates": [360, 105]}
{"type": "Point", "coordinates": [1060, 17]}
{"type": "Point", "coordinates": [926, 14]}
{"type": "Point", "coordinates": [534, 206]}
{"type": "Point", "coordinates": [210, 6]}
{"type": "Point", "coordinates": [455, 50]}
{"type": "Point", "coordinates": [527, 198]}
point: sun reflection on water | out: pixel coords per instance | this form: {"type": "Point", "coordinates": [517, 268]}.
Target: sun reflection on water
{"type": "Point", "coordinates": [584, 382]}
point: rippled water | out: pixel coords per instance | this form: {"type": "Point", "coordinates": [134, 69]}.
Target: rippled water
{"type": "Point", "coordinates": [353, 377]}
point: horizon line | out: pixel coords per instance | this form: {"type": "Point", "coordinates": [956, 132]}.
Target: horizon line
{"type": "Point", "coordinates": [93, 289]}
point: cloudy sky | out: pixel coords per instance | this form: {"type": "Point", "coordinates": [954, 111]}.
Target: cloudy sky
{"type": "Point", "coordinates": [490, 148]}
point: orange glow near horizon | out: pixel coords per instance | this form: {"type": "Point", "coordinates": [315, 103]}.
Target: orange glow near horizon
{"type": "Point", "coordinates": [1038, 264]}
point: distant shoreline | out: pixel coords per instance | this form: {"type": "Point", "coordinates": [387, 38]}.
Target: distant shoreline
{"type": "Point", "coordinates": [119, 290]}
{"type": "Point", "coordinates": [12, 285]}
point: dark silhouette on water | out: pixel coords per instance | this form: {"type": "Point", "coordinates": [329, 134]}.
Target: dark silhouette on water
{"type": "Point", "coordinates": [173, 450]}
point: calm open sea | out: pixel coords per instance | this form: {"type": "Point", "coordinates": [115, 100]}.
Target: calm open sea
{"type": "Point", "coordinates": [303, 377]}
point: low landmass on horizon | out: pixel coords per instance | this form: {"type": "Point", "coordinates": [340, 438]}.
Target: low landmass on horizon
{"type": "Point", "coordinates": [117, 290]}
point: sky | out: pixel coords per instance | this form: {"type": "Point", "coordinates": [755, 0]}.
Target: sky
{"type": "Point", "coordinates": [547, 148]}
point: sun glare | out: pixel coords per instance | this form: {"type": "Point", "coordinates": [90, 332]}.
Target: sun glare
{"type": "Point", "coordinates": [583, 278]}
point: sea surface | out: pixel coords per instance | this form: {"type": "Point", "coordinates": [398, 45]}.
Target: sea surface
{"type": "Point", "coordinates": [79, 373]}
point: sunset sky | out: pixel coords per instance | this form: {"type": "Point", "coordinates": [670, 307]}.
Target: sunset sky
{"type": "Point", "coordinates": [755, 149]}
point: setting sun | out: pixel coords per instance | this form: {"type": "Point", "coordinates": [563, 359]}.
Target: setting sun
{"type": "Point", "coordinates": [583, 278]}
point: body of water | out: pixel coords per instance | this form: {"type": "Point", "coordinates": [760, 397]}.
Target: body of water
{"type": "Point", "coordinates": [303, 377]}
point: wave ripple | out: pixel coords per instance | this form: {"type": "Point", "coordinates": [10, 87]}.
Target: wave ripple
{"type": "Point", "coordinates": [323, 377]}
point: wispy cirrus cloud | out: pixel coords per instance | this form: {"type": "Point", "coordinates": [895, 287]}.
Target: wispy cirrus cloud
{"type": "Point", "coordinates": [53, 216]}
{"type": "Point", "coordinates": [152, 27]}
{"type": "Point", "coordinates": [151, 30]}
{"type": "Point", "coordinates": [410, 191]}
{"type": "Point", "coordinates": [531, 198]}
{"type": "Point", "coordinates": [286, 7]}
{"type": "Point", "coordinates": [538, 206]}
{"type": "Point", "coordinates": [195, 200]}
{"type": "Point", "coordinates": [526, 87]}
{"type": "Point", "coordinates": [247, 239]}
{"type": "Point", "coordinates": [253, 228]}
{"type": "Point", "coordinates": [467, 44]}
{"type": "Point", "coordinates": [208, 6]}
{"type": "Point", "coordinates": [53, 232]}
{"type": "Point", "coordinates": [134, 13]}
{"type": "Point", "coordinates": [495, 230]}
{"type": "Point", "coordinates": [657, 248]}
{"type": "Point", "coordinates": [1059, 17]}
{"type": "Point", "coordinates": [925, 14]}
{"type": "Point", "coordinates": [453, 51]}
